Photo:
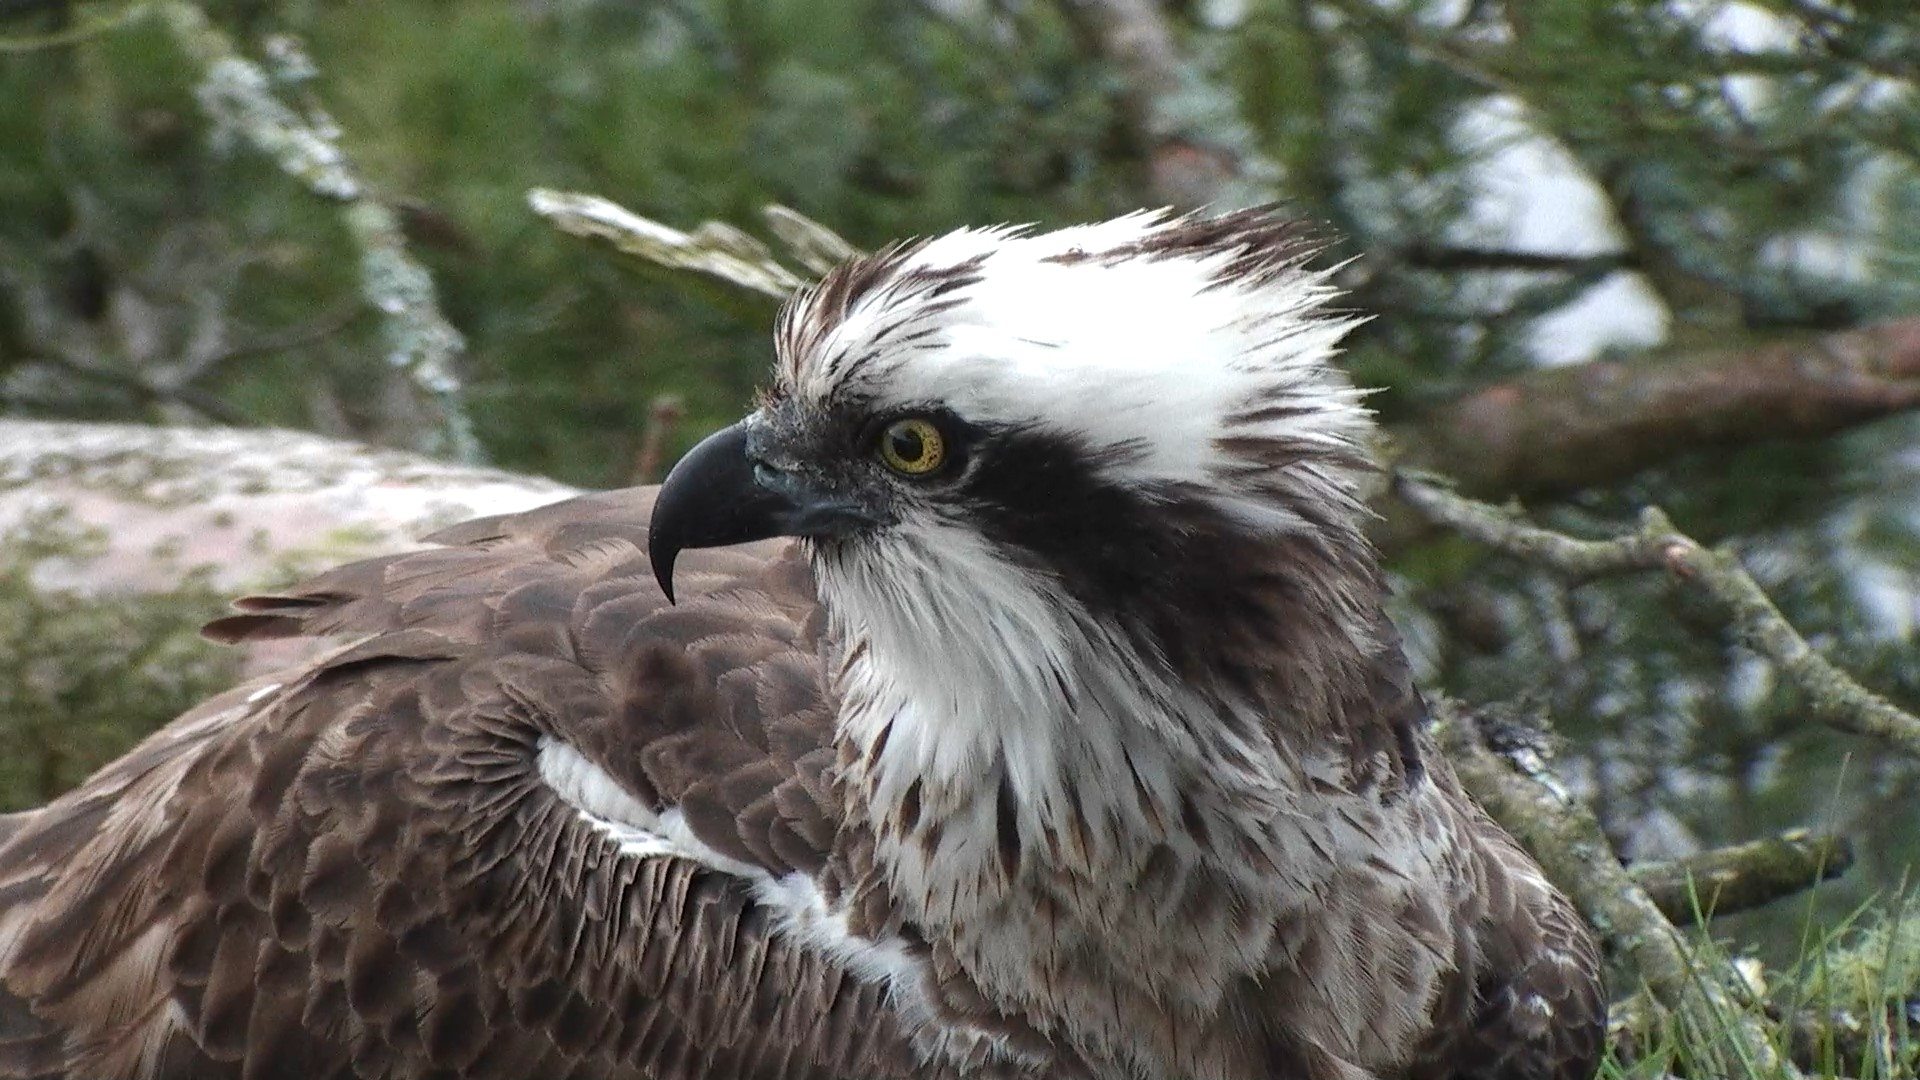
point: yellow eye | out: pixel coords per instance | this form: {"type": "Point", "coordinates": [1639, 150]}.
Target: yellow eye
{"type": "Point", "coordinates": [912, 447]}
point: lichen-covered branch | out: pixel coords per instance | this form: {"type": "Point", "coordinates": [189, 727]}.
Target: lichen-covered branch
{"type": "Point", "coordinates": [1740, 877]}
{"type": "Point", "coordinates": [1831, 696]}
{"type": "Point", "coordinates": [239, 97]}
{"type": "Point", "coordinates": [714, 248]}
{"type": "Point", "coordinates": [1505, 530]}
{"type": "Point", "coordinates": [811, 244]}
{"type": "Point", "coordinates": [1708, 999]}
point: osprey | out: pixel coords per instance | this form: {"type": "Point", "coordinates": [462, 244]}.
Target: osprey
{"type": "Point", "coordinates": [1028, 709]}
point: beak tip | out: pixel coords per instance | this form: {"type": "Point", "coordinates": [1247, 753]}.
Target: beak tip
{"type": "Point", "coordinates": [662, 557]}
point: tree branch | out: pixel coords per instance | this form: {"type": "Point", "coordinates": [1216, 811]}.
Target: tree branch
{"type": "Point", "coordinates": [1706, 996]}
{"type": "Point", "coordinates": [814, 246]}
{"type": "Point", "coordinates": [1831, 695]}
{"type": "Point", "coordinates": [1741, 877]}
{"type": "Point", "coordinates": [1428, 256]}
{"type": "Point", "coordinates": [1553, 431]}
{"type": "Point", "coordinates": [714, 248]}
{"type": "Point", "coordinates": [422, 344]}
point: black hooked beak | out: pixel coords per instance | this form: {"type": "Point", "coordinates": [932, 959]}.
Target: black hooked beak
{"type": "Point", "coordinates": [720, 494]}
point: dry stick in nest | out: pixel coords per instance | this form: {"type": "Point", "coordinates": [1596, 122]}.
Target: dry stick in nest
{"type": "Point", "coordinates": [714, 247]}
{"type": "Point", "coordinates": [663, 420]}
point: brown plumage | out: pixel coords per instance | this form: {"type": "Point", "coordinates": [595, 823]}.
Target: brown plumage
{"type": "Point", "coordinates": [356, 870]}
{"type": "Point", "coordinates": [530, 820]}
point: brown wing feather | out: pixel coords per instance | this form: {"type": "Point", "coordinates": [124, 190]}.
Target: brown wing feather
{"type": "Point", "coordinates": [358, 870]}
{"type": "Point", "coordinates": [1539, 1008]}
{"type": "Point", "coordinates": [1527, 1001]}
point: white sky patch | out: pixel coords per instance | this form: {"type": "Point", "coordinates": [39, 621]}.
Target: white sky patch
{"type": "Point", "coordinates": [1529, 192]}
{"type": "Point", "coordinates": [1531, 195]}
{"type": "Point", "coordinates": [1890, 597]}
{"type": "Point", "coordinates": [1736, 26]}
{"type": "Point", "coordinates": [1821, 256]}
{"type": "Point", "coordinates": [1620, 313]}
{"type": "Point", "coordinates": [1740, 29]}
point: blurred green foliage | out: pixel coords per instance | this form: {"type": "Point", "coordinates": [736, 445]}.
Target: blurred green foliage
{"type": "Point", "coordinates": [862, 114]}
{"type": "Point", "coordinates": [82, 675]}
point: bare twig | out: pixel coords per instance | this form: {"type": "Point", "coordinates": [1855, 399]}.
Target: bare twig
{"type": "Point", "coordinates": [239, 96]}
{"type": "Point", "coordinates": [1831, 695]}
{"type": "Point", "coordinates": [1740, 877]}
{"type": "Point", "coordinates": [715, 247]}
{"type": "Point", "coordinates": [811, 244]}
{"type": "Point", "coordinates": [663, 418]}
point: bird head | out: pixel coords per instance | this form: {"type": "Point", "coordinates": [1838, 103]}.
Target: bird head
{"type": "Point", "coordinates": [1102, 416]}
